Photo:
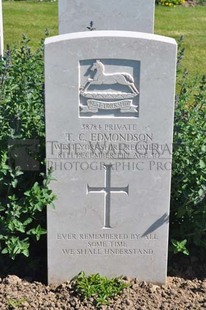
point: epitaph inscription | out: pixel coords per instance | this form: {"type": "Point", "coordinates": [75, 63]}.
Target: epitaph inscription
{"type": "Point", "coordinates": [109, 244]}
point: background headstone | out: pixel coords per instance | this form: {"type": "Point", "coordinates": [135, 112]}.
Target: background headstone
{"type": "Point", "coordinates": [132, 15]}
{"type": "Point", "coordinates": [109, 124]}
{"type": "Point", "coordinates": [1, 31]}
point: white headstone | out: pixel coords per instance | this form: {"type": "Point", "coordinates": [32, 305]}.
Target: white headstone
{"type": "Point", "coordinates": [82, 15]}
{"type": "Point", "coordinates": [109, 124]}
{"type": "Point", "coordinates": [1, 31]}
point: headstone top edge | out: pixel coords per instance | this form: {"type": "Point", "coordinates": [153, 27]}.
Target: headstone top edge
{"type": "Point", "coordinates": [135, 15]}
{"type": "Point", "coordinates": [110, 33]}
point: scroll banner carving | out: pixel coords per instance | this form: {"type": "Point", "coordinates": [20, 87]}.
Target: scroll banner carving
{"type": "Point", "coordinates": [94, 105]}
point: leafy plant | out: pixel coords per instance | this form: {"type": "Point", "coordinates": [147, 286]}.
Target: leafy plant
{"type": "Point", "coordinates": [188, 197]}
{"type": "Point", "coordinates": [15, 303]}
{"type": "Point", "coordinates": [180, 52]}
{"type": "Point", "coordinates": [101, 289]}
{"type": "Point", "coordinates": [179, 246]}
{"type": "Point", "coordinates": [24, 191]}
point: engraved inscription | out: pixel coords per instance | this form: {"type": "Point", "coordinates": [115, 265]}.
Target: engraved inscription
{"type": "Point", "coordinates": [118, 144]}
{"type": "Point", "coordinates": [107, 251]}
{"type": "Point", "coordinates": [109, 243]}
{"type": "Point", "coordinates": [107, 190]}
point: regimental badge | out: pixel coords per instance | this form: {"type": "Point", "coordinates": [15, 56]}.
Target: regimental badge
{"type": "Point", "coordinates": [108, 93]}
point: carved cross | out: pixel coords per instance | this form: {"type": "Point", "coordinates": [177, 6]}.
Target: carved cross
{"type": "Point", "coordinates": [107, 190]}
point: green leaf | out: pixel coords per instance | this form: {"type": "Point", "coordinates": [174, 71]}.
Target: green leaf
{"type": "Point", "coordinates": [202, 164]}
{"type": "Point", "coordinates": [4, 251]}
{"type": "Point", "coordinates": [14, 183]}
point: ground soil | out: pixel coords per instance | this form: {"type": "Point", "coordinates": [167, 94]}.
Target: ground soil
{"type": "Point", "coordinates": [177, 294]}
{"type": "Point", "coordinates": [185, 289]}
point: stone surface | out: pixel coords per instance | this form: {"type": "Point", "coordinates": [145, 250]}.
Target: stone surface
{"type": "Point", "coordinates": [133, 15]}
{"type": "Point", "coordinates": [1, 30]}
{"type": "Point", "coordinates": [109, 123]}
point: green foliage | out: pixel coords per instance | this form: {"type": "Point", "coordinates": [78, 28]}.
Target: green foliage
{"type": "Point", "coordinates": [170, 2]}
{"type": "Point", "coordinates": [180, 52]}
{"type": "Point", "coordinates": [179, 246]}
{"type": "Point", "coordinates": [15, 303]}
{"type": "Point", "coordinates": [201, 2]}
{"type": "Point", "coordinates": [24, 191]}
{"type": "Point", "coordinates": [99, 288]}
{"type": "Point", "coordinates": [188, 197]}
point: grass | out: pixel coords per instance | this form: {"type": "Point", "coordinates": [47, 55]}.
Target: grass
{"type": "Point", "coordinates": [191, 23]}
{"type": "Point", "coordinates": [32, 18]}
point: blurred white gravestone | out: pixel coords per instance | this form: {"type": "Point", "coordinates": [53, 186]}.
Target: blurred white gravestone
{"type": "Point", "coordinates": [1, 31]}
{"type": "Point", "coordinates": [83, 15]}
{"type": "Point", "coordinates": [109, 124]}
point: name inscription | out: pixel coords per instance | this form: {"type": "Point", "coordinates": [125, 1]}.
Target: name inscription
{"type": "Point", "coordinates": [96, 145]}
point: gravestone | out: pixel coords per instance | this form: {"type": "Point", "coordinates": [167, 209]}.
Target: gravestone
{"type": "Point", "coordinates": [1, 30]}
{"type": "Point", "coordinates": [109, 124]}
{"type": "Point", "coordinates": [83, 15]}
